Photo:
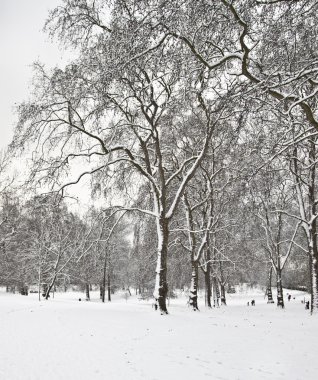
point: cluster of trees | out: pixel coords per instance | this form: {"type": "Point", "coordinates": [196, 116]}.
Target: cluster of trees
{"type": "Point", "coordinates": [43, 246]}
{"type": "Point", "coordinates": [198, 116]}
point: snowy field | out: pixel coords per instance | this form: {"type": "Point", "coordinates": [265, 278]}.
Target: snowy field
{"type": "Point", "coordinates": [66, 339]}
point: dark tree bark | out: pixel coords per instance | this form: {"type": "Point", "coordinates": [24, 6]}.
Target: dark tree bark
{"type": "Point", "coordinates": [223, 297]}
{"type": "Point", "coordinates": [87, 292]}
{"type": "Point", "coordinates": [108, 286]}
{"type": "Point", "coordinates": [206, 269]}
{"type": "Point", "coordinates": [222, 285]}
{"type": "Point", "coordinates": [313, 249]}
{"type": "Point", "coordinates": [49, 288]}
{"type": "Point", "coordinates": [100, 291]}
{"type": "Point", "coordinates": [103, 284]}
{"type": "Point", "coordinates": [269, 286]}
{"type": "Point", "coordinates": [309, 215]}
{"type": "Point", "coordinates": [208, 292]}
{"type": "Point", "coordinates": [161, 287]}
{"type": "Point", "coordinates": [44, 289]}
{"type": "Point", "coordinates": [24, 291]}
{"type": "Point", "coordinates": [280, 297]}
{"type": "Point", "coordinates": [193, 298]}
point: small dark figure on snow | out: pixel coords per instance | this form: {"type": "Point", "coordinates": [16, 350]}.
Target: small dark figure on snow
{"type": "Point", "coordinates": [80, 299]}
{"type": "Point", "coordinates": [253, 302]}
{"type": "Point", "coordinates": [289, 297]}
{"type": "Point", "coordinates": [307, 304]}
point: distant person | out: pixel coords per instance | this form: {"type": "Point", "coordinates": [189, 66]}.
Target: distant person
{"type": "Point", "coordinates": [307, 304]}
{"type": "Point", "coordinates": [289, 297]}
{"type": "Point", "coordinates": [253, 302]}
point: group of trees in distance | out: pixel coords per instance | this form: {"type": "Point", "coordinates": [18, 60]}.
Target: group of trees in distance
{"type": "Point", "coordinates": [197, 123]}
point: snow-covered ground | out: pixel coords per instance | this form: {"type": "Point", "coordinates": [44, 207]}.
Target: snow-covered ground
{"type": "Point", "coordinates": [66, 339]}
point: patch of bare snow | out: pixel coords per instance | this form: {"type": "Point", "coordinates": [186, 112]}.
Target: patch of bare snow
{"type": "Point", "coordinates": [64, 339]}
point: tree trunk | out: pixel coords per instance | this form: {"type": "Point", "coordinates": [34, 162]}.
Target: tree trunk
{"type": "Point", "coordinates": [313, 265]}
{"type": "Point", "coordinates": [39, 282]}
{"type": "Point", "coordinates": [161, 286]}
{"type": "Point", "coordinates": [193, 297]}
{"type": "Point", "coordinates": [24, 290]}
{"type": "Point", "coordinates": [216, 292]}
{"type": "Point", "coordinates": [269, 286]}
{"type": "Point", "coordinates": [88, 298]}
{"type": "Point", "coordinates": [313, 230]}
{"type": "Point", "coordinates": [47, 294]}
{"type": "Point", "coordinates": [207, 280]}
{"type": "Point", "coordinates": [39, 275]}
{"type": "Point", "coordinates": [44, 290]}
{"type": "Point", "coordinates": [314, 285]}
{"type": "Point", "coordinates": [223, 297]}
{"type": "Point", "coordinates": [103, 285]}
{"type": "Point", "coordinates": [222, 284]}
{"type": "Point", "coordinates": [101, 291]}
{"type": "Point", "coordinates": [280, 298]}
{"type": "Point", "coordinates": [108, 286]}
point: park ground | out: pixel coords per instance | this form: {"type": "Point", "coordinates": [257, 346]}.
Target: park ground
{"type": "Point", "coordinates": [67, 339]}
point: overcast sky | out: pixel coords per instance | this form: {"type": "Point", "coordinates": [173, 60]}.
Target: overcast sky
{"type": "Point", "coordinates": [21, 43]}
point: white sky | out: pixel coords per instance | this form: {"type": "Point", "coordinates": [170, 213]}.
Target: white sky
{"type": "Point", "coordinates": [21, 43]}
